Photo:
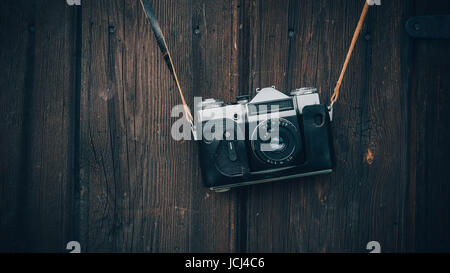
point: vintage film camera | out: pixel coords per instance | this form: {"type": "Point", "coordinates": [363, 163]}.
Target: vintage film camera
{"type": "Point", "coordinates": [272, 137]}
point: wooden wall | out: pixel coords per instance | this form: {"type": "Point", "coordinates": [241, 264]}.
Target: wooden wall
{"type": "Point", "coordinates": [85, 119]}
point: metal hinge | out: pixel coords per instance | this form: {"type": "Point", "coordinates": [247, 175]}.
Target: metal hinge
{"type": "Point", "coordinates": [429, 27]}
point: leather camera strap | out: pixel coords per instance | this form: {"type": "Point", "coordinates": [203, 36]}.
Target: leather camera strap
{"type": "Point", "coordinates": [335, 95]}
{"type": "Point", "coordinates": [167, 57]}
{"type": "Point", "coordinates": [148, 9]}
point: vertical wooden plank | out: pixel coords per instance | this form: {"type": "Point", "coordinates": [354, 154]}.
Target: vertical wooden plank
{"type": "Point", "coordinates": [215, 68]}
{"type": "Point", "coordinates": [141, 190]}
{"type": "Point", "coordinates": [49, 169]}
{"type": "Point", "coordinates": [267, 204]}
{"type": "Point", "coordinates": [15, 19]}
{"type": "Point", "coordinates": [364, 198]}
{"type": "Point", "coordinates": [268, 44]}
{"type": "Point", "coordinates": [429, 137]}
{"type": "Point", "coordinates": [43, 202]}
{"type": "Point", "coordinates": [101, 125]}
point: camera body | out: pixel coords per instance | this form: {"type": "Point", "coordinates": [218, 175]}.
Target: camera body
{"type": "Point", "coordinates": [272, 137]}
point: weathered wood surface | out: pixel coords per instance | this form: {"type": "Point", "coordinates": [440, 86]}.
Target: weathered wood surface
{"type": "Point", "coordinates": [364, 199]}
{"type": "Point", "coordinates": [430, 134]}
{"type": "Point", "coordinates": [141, 190]}
{"type": "Point", "coordinates": [86, 151]}
{"type": "Point", "coordinates": [37, 125]}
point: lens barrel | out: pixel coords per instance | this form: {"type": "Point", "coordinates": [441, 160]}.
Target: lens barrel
{"type": "Point", "coordinates": [276, 142]}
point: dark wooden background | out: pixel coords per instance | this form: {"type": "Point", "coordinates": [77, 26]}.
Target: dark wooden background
{"type": "Point", "coordinates": [86, 152]}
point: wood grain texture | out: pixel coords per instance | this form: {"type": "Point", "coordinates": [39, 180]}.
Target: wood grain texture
{"type": "Point", "coordinates": [141, 190]}
{"type": "Point", "coordinates": [38, 166]}
{"type": "Point", "coordinates": [86, 151]}
{"type": "Point", "coordinates": [14, 24]}
{"type": "Point", "coordinates": [214, 74]}
{"type": "Point", "coordinates": [430, 133]}
{"type": "Point", "coordinates": [363, 200]}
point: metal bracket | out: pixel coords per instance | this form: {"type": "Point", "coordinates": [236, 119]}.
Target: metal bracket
{"type": "Point", "coordinates": [429, 27]}
{"type": "Point", "coordinates": [330, 110]}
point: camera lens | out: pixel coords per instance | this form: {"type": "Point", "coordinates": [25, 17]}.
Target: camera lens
{"type": "Point", "coordinates": [276, 142]}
